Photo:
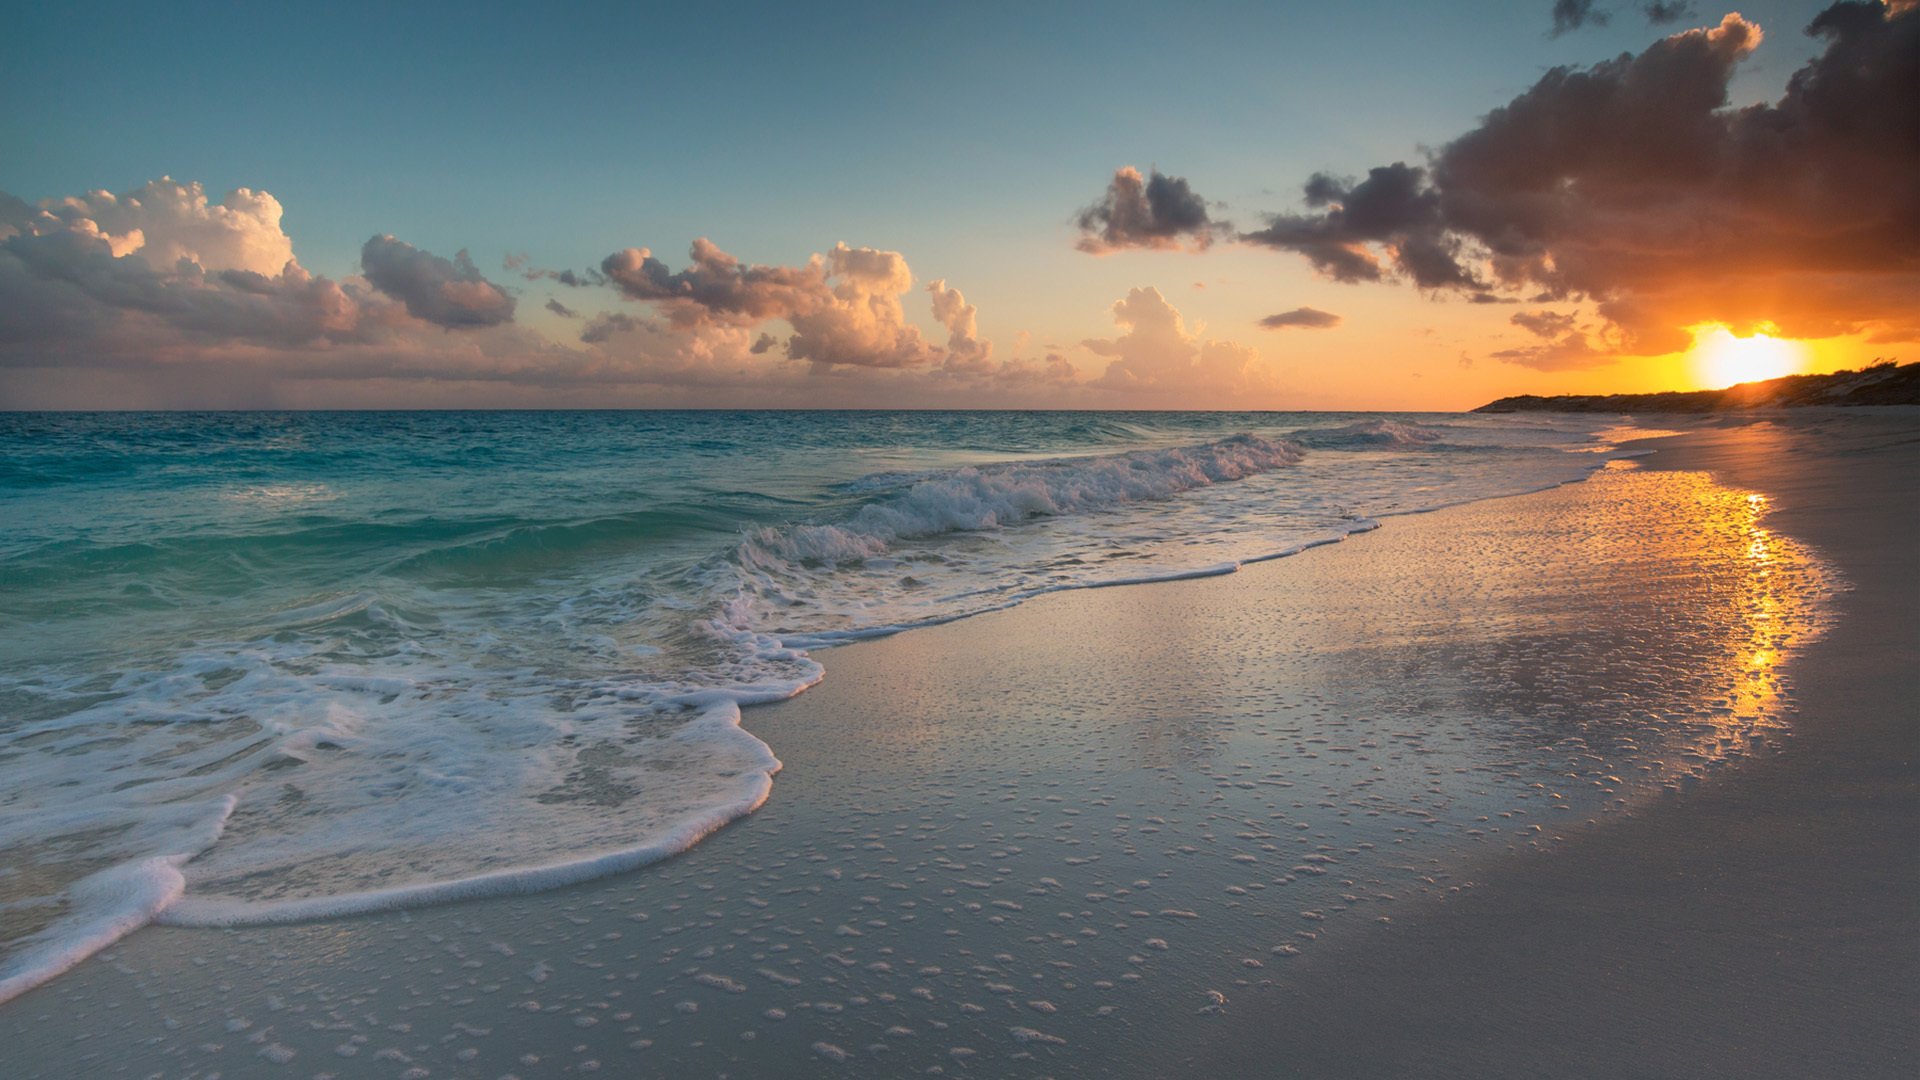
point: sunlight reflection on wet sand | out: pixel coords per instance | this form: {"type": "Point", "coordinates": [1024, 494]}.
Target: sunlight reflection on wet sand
{"type": "Point", "coordinates": [1049, 840]}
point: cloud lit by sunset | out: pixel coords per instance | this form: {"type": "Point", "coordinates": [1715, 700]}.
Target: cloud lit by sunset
{"type": "Point", "coordinates": [1655, 179]}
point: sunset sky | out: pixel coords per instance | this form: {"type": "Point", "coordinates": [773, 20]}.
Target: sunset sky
{"type": "Point", "coordinates": [1260, 205]}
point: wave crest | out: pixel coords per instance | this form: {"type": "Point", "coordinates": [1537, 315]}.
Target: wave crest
{"type": "Point", "coordinates": [994, 496]}
{"type": "Point", "coordinates": [1370, 434]}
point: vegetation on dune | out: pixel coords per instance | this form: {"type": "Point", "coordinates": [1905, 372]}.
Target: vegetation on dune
{"type": "Point", "coordinates": [1884, 383]}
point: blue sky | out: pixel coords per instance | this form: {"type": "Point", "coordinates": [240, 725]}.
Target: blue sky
{"type": "Point", "coordinates": [781, 128]}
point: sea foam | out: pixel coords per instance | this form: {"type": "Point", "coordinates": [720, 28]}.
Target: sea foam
{"type": "Point", "coordinates": [991, 497]}
{"type": "Point", "coordinates": [306, 705]}
{"type": "Point", "coordinates": [1372, 433]}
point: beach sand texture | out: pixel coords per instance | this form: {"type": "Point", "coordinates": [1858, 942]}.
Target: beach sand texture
{"type": "Point", "coordinates": [1509, 789]}
{"type": "Point", "coordinates": [1766, 925]}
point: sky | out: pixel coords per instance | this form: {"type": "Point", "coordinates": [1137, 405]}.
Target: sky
{"type": "Point", "coordinates": [1263, 205]}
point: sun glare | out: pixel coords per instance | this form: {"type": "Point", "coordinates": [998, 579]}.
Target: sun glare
{"type": "Point", "coordinates": [1722, 359]}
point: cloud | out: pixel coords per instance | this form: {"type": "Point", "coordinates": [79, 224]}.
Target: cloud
{"type": "Point", "coordinates": [1632, 184]}
{"type": "Point", "coordinates": [1569, 352]}
{"type": "Point", "coordinates": [1050, 379]}
{"type": "Point", "coordinates": [603, 326]}
{"type": "Point", "coordinates": [164, 298]}
{"type": "Point", "coordinates": [1662, 13]}
{"type": "Point", "coordinates": [164, 222]}
{"type": "Point", "coordinates": [968, 359]}
{"type": "Point", "coordinates": [1544, 324]}
{"type": "Point", "coordinates": [82, 326]}
{"type": "Point", "coordinates": [1157, 354]}
{"type": "Point", "coordinates": [844, 306]}
{"type": "Point", "coordinates": [860, 322]}
{"type": "Point", "coordinates": [1152, 212]}
{"type": "Point", "coordinates": [965, 350]}
{"type": "Point", "coordinates": [16, 214]}
{"type": "Point", "coordinates": [450, 293]}
{"type": "Point", "coordinates": [162, 264]}
{"type": "Point", "coordinates": [161, 296]}
{"type": "Point", "coordinates": [1570, 15]}
{"type": "Point", "coordinates": [716, 287]}
{"type": "Point", "coordinates": [1394, 207]}
{"type": "Point", "coordinates": [1052, 369]}
{"type": "Point", "coordinates": [1305, 318]}
{"type": "Point", "coordinates": [1562, 344]}
{"type": "Point", "coordinates": [564, 277]}
{"type": "Point", "coordinates": [91, 315]}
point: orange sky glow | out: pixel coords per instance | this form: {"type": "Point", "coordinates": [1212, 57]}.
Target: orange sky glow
{"type": "Point", "coordinates": [1718, 203]}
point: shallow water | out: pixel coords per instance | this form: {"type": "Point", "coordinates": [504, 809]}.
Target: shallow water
{"type": "Point", "coordinates": [260, 666]}
{"type": "Point", "coordinates": [1043, 843]}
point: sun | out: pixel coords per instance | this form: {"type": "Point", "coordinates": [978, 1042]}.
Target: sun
{"type": "Point", "coordinates": [1722, 359]}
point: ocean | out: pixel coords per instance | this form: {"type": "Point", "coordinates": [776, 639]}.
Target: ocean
{"type": "Point", "coordinates": [261, 667]}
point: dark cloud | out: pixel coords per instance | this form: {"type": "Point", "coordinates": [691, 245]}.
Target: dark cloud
{"type": "Point", "coordinates": [762, 344]}
{"type": "Point", "coordinates": [1394, 207]}
{"type": "Point", "coordinates": [1661, 13]}
{"type": "Point", "coordinates": [561, 309]}
{"type": "Point", "coordinates": [450, 293]}
{"type": "Point", "coordinates": [1546, 324]}
{"type": "Point", "coordinates": [521, 263]}
{"type": "Point", "coordinates": [1571, 15]}
{"type": "Point", "coordinates": [603, 326]}
{"type": "Point", "coordinates": [1304, 318]}
{"type": "Point", "coordinates": [16, 213]}
{"type": "Point", "coordinates": [568, 277]}
{"type": "Point", "coordinates": [715, 286]}
{"type": "Point", "coordinates": [1152, 212]}
{"type": "Point", "coordinates": [1632, 185]}
{"type": "Point", "coordinates": [1569, 352]}
{"type": "Point", "coordinates": [1562, 344]}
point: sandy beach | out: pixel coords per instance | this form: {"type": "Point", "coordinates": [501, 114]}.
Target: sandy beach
{"type": "Point", "coordinates": [1766, 925]}
{"type": "Point", "coordinates": [1534, 798]}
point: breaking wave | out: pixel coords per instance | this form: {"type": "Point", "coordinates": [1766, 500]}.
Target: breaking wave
{"type": "Point", "coordinates": [381, 673]}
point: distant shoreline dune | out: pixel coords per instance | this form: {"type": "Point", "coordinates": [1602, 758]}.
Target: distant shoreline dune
{"type": "Point", "coordinates": [1881, 384]}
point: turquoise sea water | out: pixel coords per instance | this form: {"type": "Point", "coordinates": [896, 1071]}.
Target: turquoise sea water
{"type": "Point", "coordinates": [262, 666]}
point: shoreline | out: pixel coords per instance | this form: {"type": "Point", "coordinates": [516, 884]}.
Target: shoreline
{"type": "Point", "coordinates": [831, 811]}
{"type": "Point", "coordinates": [1767, 924]}
{"type": "Point", "coordinates": [175, 908]}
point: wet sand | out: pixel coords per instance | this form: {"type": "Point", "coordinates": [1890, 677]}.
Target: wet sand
{"type": "Point", "coordinates": [1218, 827]}
{"type": "Point", "coordinates": [1765, 925]}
